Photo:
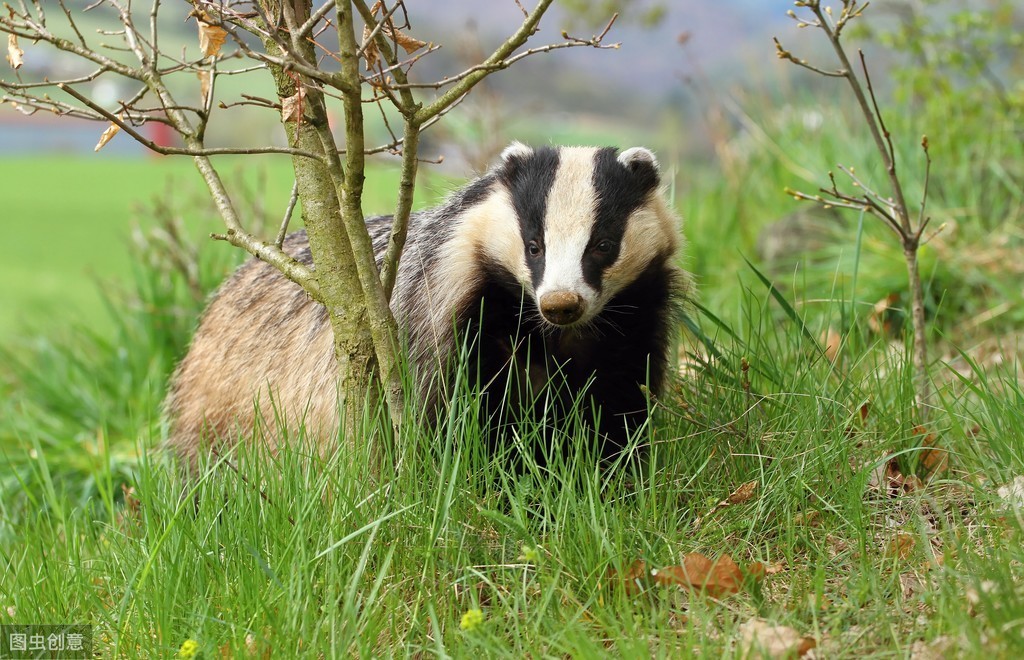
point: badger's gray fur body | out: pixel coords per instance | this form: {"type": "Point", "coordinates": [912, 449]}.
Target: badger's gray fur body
{"type": "Point", "coordinates": [560, 260]}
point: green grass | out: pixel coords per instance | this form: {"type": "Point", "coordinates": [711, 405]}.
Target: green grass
{"type": "Point", "coordinates": [877, 554]}
{"type": "Point", "coordinates": [69, 220]}
{"type": "Point", "coordinates": [68, 224]}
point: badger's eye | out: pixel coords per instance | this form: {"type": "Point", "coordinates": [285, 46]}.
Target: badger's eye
{"type": "Point", "coordinates": [604, 247]}
{"type": "Point", "coordinates": [534, 248]}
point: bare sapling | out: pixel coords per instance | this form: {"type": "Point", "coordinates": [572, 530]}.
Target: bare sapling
{"type": "Point", "coordinates": [889, 206]}
{"type": "Point", "coordinates": [369, 64]}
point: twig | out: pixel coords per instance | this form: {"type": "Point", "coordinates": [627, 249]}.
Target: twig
{"type": "Point", "coordinates": [892, 211]}
{"type": "Point", "coordinates": [292, 201]}
{"type": "Point", "coordinates": [922, 221]}
{"type": "Point", "coordinates": [180, 151]}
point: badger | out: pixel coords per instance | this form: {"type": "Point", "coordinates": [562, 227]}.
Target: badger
{"type": "Point", "coordinates": [553, 275]}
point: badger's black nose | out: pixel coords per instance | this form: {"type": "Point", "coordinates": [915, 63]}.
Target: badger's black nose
{"type": "Point", "coordinates": [561, 307]}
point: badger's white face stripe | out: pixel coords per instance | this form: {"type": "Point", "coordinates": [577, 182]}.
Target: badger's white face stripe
{"type": "Point", "coordinates": [568, 223]}
{"type": "Point", "coordinates": [570, 200]}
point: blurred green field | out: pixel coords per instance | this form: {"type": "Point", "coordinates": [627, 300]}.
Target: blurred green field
{"type": "Point", "coordinates": [68, 220]}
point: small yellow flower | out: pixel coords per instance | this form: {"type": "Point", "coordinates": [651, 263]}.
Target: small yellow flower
{"type": "Point", "coordinates": [472, 619]}
{"type": "Point", "coordinates": [189, 649]}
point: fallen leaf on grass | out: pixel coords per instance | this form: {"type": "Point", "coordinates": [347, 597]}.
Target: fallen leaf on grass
{"type": "Point", "coordinates": [938, 649]}
{"type": "Point", "coordinates": [131, 514]}
{"type": "Point", "coordinates": [933, 459]}
{"type": "Point", "coordinates": [883, 319]}
{"type": "Point", "coordinates": [1012, 494]}
{"type": "Point", "coordinates": [901, 545]}
{"type": "Point", "coordinates": [742, 494]}
{"type": "Point", "coordinates": [632, 580]}
{"type": "Point", "coordinates": [760, 638]}
{"type": "Point", "coordinates": [807, 518]}
{"type": "Point", "coordinates": [888, 480]}
{"type": "Point", "coordinates": [716, 578]}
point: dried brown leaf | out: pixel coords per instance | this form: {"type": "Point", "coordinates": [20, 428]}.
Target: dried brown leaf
{"type": "Point", "coordinates": [409, 44]}
{"type": "Point", "coordinates": [762, 639]}
{"type": "Point", "coordinates": [881, 318]}
{"type": "Point", "coordinates": [108, 134]}
{"type": "Point", "coordinates": [743, 494]}
{"type": "Point", "coordinates": [292, 107]}
{"type": "Point", "coordinates": [205, 82]}
{"type": "Point", "coordinates": [15, 55]}
{"type": "Point", "coordinates": [371, 54]}
{"type": "Point", "coordinates": [830, 342]}
{"type": "Point", "coordinates": [716, 578]}
{"type": "Point", "coordinates": [934, 460]}
{"type": "Point", "coordinates": [888, 480]}
{"type": "Point", "coordinates": [1012, 494]}
{"type": "Point", "coordinates": [901, 545]}
{"type": "Point", "coordinates": [211, 38]}
{"type": "Point", "coordinates": [632, 580]}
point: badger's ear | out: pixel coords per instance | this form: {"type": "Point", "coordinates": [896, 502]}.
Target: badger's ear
{"type": "Point", "coordinates": [638, 157]}
{"type": "Point", "coordinates": [515, 150]}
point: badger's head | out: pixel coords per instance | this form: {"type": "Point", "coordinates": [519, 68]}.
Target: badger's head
{"type": "Point", "coordinates": [578, 225]}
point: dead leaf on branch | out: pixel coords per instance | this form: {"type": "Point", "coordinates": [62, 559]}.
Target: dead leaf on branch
{"type": "Point", "coordinates": [108, 134]}
{"type": "Point", "coordinates": [211, 37]}
{"type": "Point", "coordinates": [292, 107]}
{"type": "Point", "coordinates": [205, 82]}
{"type": "Point", "coordinates": [15, 55]}
{"type": "Point", "coordinates": [758, 638]}
{"type": "Point", "coordinates": [371, 54]}
{"type": "Point", "coordinates": [409, 44]}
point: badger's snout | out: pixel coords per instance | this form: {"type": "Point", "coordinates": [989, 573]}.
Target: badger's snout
{"type": "Point", "coordinates": [562, 307]}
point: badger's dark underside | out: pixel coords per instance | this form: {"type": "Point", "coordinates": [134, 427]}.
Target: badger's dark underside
{"type": "Point", "coordinates": [527, 366]}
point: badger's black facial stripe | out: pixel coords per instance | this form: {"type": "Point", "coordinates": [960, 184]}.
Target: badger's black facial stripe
{"type": "Point", "coordinates": [529, 180]}
{"type": "Point", "coordinates": [620, 190]}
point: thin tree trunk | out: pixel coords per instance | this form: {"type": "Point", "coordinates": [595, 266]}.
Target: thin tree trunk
{"type": "Point", "coordinates": [336, 272]}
